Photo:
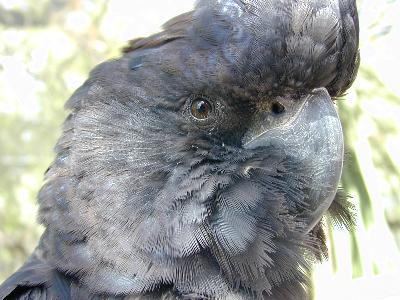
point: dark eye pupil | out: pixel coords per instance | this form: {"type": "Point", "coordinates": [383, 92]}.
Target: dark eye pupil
{"type": "Point", "coordinates": [201, 109]}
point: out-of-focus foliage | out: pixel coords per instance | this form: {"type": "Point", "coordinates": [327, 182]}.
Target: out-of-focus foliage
{"type": "Point", "coordinates": [47, 50]}
{"type": "Point", "coordinates": [370, 117]}
{"type": "Point", "coordinates": [44, 55]}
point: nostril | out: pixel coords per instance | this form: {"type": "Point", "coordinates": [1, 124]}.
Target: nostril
{"type": "Point", "coordinates": [277, 108]}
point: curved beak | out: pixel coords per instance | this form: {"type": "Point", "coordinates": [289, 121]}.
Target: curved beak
{"type": "Point", "coordinates": [312, 136]}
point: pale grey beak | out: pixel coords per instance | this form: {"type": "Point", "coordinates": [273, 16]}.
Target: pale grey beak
{"type": "Point", "coordinates": [312, 136]}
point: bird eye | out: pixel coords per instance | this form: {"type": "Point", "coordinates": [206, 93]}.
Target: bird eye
{"type": "Point", "coordinates": [277, 108]}
{"type": "Point", "coordinates": [200, 108]}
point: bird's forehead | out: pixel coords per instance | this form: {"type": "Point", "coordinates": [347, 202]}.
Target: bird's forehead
{"type": "Point", "coordinates": [271, 13]}
{"type": "Point", "coordinates": [231, 8]}
{"type": "Point", "coordinates": [281, 42]}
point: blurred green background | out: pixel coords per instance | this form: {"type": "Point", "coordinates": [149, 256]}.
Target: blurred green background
{"type": "Point", "coordinates": [46, 51]}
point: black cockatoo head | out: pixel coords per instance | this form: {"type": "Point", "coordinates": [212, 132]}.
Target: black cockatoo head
{"type": "Point", "coordinates": [202, 160]}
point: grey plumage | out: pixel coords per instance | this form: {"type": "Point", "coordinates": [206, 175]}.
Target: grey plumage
{"type": "Point", "coordinates": [146, 201]}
